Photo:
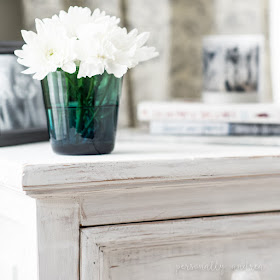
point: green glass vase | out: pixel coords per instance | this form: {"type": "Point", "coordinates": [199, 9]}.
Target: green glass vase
{"type": "Point", "coordinates": [82, 113]}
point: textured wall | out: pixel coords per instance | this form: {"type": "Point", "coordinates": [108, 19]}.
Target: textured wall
{"type": "Point", "coordinates": [10, 19]}
{"type": "Point", "coordinates": [239, 16]}
{"type": "Point", "coordinates": [151, 80]}
{"type": "Point", "coordinates": [39, 9]}
{"type": "Point", "coordinates": [191, 20]}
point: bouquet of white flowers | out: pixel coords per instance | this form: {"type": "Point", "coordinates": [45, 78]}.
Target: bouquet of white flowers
{"type": "Point", "coordinates": [93, 42]}
{"type": "Point", "coordinates": [81, 58]}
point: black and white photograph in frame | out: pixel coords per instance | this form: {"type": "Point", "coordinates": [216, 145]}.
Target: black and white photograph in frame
{"type": "Point", "coordinates": [232, 68]}
{"type": "Point", "coordinates": [22, 113]}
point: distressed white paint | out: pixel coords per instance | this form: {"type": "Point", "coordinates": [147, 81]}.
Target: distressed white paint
{"type": "Point", "coordinates": [157, 160]}
{"type": "Point", "coordinates": [146, 179]}
{"type": "Point", "coordinates": [179, 199]}
{"type": "Point", "coordinates": [58, 239]}
{"type": "Point", "coordinates": [163, 250]}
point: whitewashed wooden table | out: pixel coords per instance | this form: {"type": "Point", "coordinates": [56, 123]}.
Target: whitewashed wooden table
{"type": "Point", "coordinates": [154, 209]}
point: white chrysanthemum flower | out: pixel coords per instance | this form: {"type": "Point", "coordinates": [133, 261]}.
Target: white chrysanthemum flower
{"type": "Point", "coordinates": [101, 17]}
{"type": "Point", "coordinates": [78, 16]}
{"type": "Point", "coordinates": [111, 48]}
{"type": "Point", "coordinates": [131, 49]}
{"type": "Point", "coordinates": [47, 50]}
{"type": "Point", "coordinates": [92, 41]}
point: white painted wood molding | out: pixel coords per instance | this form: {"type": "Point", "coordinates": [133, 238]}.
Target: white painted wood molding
{"type": "Point", "coordinates": [156, 178]}
{"type": "Point", "coordinates": [38, 171]}
{"type": "Point", "coordinates": [152, 200]}
{"type": "Point", "coordinates": [58, 239]}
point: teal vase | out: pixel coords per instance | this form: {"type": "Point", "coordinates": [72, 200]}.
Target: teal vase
{"type": "Point", "coordinates": [82, 113]}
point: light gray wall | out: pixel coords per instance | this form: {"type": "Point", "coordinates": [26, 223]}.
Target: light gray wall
{"type": "Point", "coordinates": [10, 19]}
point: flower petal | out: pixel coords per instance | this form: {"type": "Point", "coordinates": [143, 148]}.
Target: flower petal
{"type": "Point", "coordinates": [29, 71]}
{"type": "Point", "coordinates": [23, 62]}
{"type": "Point", "coordinates": [133, 32]}
{"type": "Point", "coordinates": [40, 75]}
{"type": "Point", "coordinates": [145, 53]}
{"type": "Point", "coordinates": [142, 38]}
{"type": "Point", "coordinates": [19, 53]}
{"type": "Point", "coordinates": [69, 67]}
{"type": "Point", "coordinates": [90, 70]}
{"type": "Point", "coordinates": [28, 36]}
{"type": "Point", "coordinates": [39, 25]}
{"type": "Point", "coordinates": [117, 69]}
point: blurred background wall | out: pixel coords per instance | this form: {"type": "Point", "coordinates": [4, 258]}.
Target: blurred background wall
{"type": "Point", "coordinates": [11, 19]}
{"type": "Point", "coordinates": [177, 28]}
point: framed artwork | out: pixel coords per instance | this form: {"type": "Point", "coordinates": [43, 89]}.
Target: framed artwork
{"type": "Point", "coordinates": [233, 68]}
{"type": "Point", "coordinates": [22, 113]}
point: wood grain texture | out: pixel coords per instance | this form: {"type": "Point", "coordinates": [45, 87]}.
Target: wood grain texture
{"type": "Point", "coordinates": [166, 250]}
{"type": "Point", "coordinates": [146, 179]}
{"type": "Point", "coordinates": [58, 239]}
{"type": "Point", "coordinates": [181, 199]}
{"type": "Point", "coordinates": [133, 161]}
{"type": "Point", "coordinates": [81, 177]}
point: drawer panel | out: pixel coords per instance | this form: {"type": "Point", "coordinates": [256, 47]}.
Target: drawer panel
{"type": "Point", "coordinates": [232, 247]}
{"type": "Point", "coordinates": [152, 201]}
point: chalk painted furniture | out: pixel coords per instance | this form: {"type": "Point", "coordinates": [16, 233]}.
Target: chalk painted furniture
{"type": "Point", "coordinates": [157, 208]}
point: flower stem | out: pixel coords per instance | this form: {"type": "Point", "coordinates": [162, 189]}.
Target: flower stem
{"type": "Point", "coordinates": [79, 111]}
{"type": "Point", "coordinates": [69, 80]}
{"type": "Point", "coordinates": [97, 108]}
{"type": "Point", "coordinates": [92, 82]}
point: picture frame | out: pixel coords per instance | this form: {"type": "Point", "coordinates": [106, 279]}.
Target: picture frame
{"type": "Point", "coordinates": [233, 68]}
{"type": "Point", "coordinates": [22, 112]}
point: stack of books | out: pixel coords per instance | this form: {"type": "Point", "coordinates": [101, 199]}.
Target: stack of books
{"type": "Point", "coordinates": [183, 118]}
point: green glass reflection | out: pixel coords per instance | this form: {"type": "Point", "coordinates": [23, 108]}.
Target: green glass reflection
{"type": "Point", "coordinates": [82, 113]}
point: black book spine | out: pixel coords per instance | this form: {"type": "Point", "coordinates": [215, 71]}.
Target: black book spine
{"type": "Point", "coordinates": [254, 129]}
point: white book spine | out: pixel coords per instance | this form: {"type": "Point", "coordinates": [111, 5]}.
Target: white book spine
{"type": "Point", "coordinates": [245, 113]}
{"type": "Point", "coordinates": [181, 128]}
{"type": "Point", "coordinates": [218, 129]}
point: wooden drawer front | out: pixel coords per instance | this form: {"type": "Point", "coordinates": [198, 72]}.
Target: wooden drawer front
{"type": "Point", "coordinates": [153, 201]}
{"type": "Point", "coordinates": [203, 248]}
